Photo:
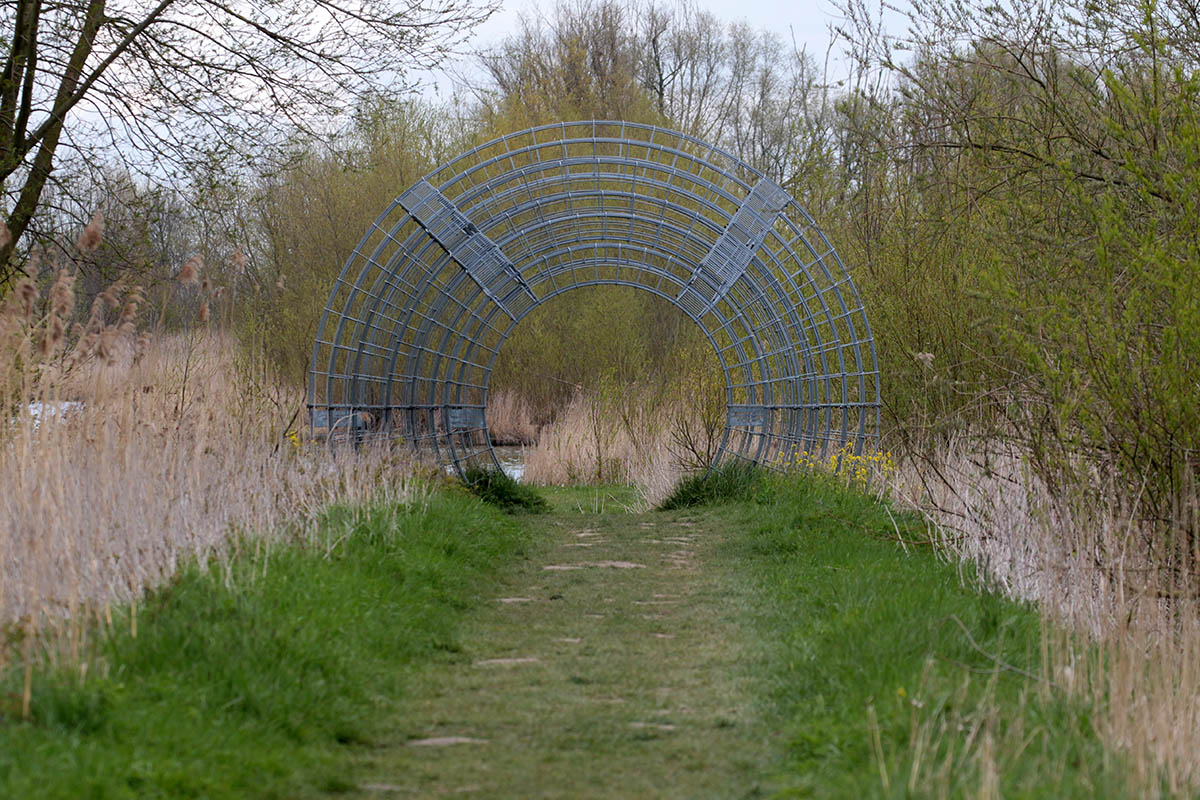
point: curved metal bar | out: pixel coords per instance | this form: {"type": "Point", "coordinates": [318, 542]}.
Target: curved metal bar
{"type": "Point", "coordinates": [422, 308]}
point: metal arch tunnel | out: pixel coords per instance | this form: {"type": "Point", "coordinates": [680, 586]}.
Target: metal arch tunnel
{"type": "Point", "coordinates": [422, 308]}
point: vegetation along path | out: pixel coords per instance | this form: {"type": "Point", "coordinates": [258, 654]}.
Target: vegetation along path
{"type": "Point", "coordinates": [771, 637]}
{"type": "Point", "coordinates": [609, 664]}
{"type": "Point", "coordinates": [791, 638]}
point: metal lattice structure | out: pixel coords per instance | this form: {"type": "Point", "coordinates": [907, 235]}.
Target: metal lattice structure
{"type": "Point", "coordinates": [421, 309]}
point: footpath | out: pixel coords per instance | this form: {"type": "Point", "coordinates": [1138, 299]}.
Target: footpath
{"type": "Point", "coordinates": [611, 663]}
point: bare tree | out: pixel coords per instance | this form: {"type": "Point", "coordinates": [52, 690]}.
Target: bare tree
{"type": "Point", "coordinates": [165, 84]}
{"type": "Point", "coordinates": [670, 63]}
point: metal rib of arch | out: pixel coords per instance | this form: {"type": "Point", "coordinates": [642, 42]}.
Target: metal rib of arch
{"type": "Point", "coordinates": [424, 304]}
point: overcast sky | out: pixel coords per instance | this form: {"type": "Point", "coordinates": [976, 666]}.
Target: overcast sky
{"type": "Point", "coordinates": [807, 21]}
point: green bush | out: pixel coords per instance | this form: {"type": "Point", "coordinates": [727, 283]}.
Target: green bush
{"type": "Point", "coordinates": [722, 484]}
{"type": "Point", "coordinates": [501, 490]}
{"type": "Point", "coordinates": [315, 212]}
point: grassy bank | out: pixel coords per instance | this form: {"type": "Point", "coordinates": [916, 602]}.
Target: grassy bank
{"type": "Point", "coordinates": [887, 672]}
{"type": "Point", "coordinates": [248, 679]}
{"type": "Point", "coordinates": [768, 637]}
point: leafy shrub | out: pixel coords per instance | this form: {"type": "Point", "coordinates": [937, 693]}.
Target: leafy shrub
{"type": "Point", "coordinates": [723, 484]}
{"type": "Point", "coordinates": [502, 490]}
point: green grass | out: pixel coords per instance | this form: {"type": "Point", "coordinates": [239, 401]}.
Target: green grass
{"type": "Point", "coordinates": [721, 484]}
{"type": "Point", "coordinates": [252, 681]}
{"type": "Point", "coordinates": [594, 499]}
{"type": "Point", "coordinates": [637, 690]}
{"type": "Point", "coordinates": [797, 650]}
{"type": "Point", "coordinates": [503, 491]}
{"type": "Point", "coordinates": [797, 639]}
{"type": "Point", "coordinates": [868, 670]}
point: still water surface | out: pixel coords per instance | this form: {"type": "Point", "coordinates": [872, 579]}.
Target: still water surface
{"type": "Point", "coordinates": [512, 461]}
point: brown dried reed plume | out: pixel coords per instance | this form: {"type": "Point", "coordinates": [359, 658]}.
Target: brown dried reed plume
{"type": "Point", "coordinates": [92, 234]}
{"type": "Point", "coordinates": [189, 273]}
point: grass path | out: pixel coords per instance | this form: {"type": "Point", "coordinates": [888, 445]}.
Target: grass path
{"type": "Point", "coordinates": [609, 665]}
{"type": "Point", "coordinates": [797, 642]}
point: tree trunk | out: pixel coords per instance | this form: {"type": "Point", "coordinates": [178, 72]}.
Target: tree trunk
{"type": "Point", "coordinates": [43, 162]}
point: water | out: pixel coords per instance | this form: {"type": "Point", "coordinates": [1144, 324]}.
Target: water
{"type": "Point", "coordinates": [512, 461]}
{"type": "Point", "coordinates": [59, 410]}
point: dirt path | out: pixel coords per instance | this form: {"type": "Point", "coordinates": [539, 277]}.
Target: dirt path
{"type": "Point", "coordinates": [610, 665]}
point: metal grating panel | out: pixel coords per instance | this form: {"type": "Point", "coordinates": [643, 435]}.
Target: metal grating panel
{"type": "Point", "coordinates": [465, 419]}
{"type": "Point", "coordinates": [745, 234]}
{"type": "Point", "coordinates": [337, 417]}
{"type": "Point", "coordinates": [424, 304]}
{"type": "Point", "coordinates": [482, 259]}
{"type": "Point", "coordinates": [749, 416]}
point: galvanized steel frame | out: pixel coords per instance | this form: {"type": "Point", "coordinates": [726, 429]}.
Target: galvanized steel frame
{"type": "Point", "coordinates": [420, 311]}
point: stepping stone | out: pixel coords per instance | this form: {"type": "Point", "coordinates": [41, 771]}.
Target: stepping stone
{"type": "Point", "coordinates": [569, 640]}
{"type": "Point", "coordinates": [658, 726]}
{"type": "Point", "coordinates": [664, 636]}
{"type": "Point", "coordinates": [514, 599]}
{"type": "Point", "coordinates": [671, 712]}
{"type": "Point", "coordinates": [580, 544]}
{"type": "Point", "coordinates": [594, 564]}
{"type": "Point", "coordinates": [488, 662]}
{"type": "Point", "coordinates": [441, 741]}
{"type": "Point", "coordinates": [680, 558]}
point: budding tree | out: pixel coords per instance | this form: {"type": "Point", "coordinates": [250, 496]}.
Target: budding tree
{"type": "Point", "coordinates": [164, 84]}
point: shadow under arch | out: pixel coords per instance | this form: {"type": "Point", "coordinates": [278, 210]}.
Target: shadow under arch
{"type": "Point", "coordinates": [423, 305]}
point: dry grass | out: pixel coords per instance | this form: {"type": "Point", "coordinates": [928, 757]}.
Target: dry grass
{"type": "Point", "coordinates": [510, 419]}
{"type": "Point", "coordinates": [168, 456]}
{"type": "Point", "coordinates": [635, 439]}
{"type": "Point", "coordinates": [145, 451]}
{"type": "Point", "coordinates": [1077, 551]}
{"type": "Point", "coordinates": [646, 436]}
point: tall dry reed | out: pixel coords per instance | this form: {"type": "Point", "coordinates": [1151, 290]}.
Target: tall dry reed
{"type": "Point", "coordinates": [510, 419]}
{"type": "Point", "coordinates": [123, 454]}
{"type": "Point", "coordinates": [1079, 550]}
{"type": "Point", "coordinates": [637, 437]}
{"type": "Point", "coordinates": [161, 458]}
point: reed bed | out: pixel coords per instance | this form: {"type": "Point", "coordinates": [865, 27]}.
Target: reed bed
{"type": "Point", "coordinates": [638, 438]}
{"type": "Point", "coordinates": [172, 450]}
{"type": "Point", "coordinates": [123, 453]}
{"type": "Point", "coordinates": [1121, 599]}
{"type": "Point", "coordinates": [510, 419]}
